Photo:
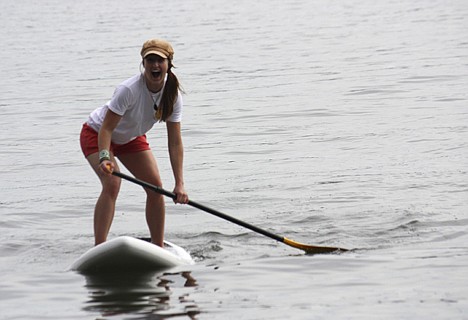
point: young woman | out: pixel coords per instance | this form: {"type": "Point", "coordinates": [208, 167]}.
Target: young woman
{"type": "Point", "coordinates": [117, 130]}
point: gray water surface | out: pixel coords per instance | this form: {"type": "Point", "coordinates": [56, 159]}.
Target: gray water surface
{"type": "Point", "coordinates": [338, 123]}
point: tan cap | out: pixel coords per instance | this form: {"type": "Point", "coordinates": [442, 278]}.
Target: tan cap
{"type": "Point", "coordinates": [157, 46]}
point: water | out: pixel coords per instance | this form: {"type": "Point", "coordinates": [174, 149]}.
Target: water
{"type": "Point", "coordinates": [338, 123]}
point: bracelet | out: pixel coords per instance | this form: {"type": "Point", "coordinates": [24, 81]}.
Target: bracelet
{"type": "Point", "coordinates": [104, 155]}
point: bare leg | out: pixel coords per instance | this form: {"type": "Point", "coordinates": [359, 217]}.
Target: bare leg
{"type": "Point", "coordinates": [143, 166]}
{"type": "Point", "coordinates": [105, 205]}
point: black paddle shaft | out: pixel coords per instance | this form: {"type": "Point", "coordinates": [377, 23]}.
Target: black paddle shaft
{"type": "Point", "coordinates": [199, 206]}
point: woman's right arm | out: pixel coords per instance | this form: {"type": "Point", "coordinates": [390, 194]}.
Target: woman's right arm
{"type": "Point", "coordinates": [111, 120]}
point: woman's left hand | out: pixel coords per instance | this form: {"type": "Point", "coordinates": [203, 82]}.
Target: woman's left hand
{"type": "Point", "coordinates": [182, 196]}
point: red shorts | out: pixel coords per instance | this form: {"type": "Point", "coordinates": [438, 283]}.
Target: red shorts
{"type": "Point", "coordinates": [89, 143]}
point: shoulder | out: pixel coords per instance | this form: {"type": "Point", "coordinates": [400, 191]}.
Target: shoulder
{"type": "Point", "coordinates": [130, 87]}
{"type": "Point", "coordinates": [135, 80]}
{"type": "Point", "coordinates": [176, 115]}
{"type": "Point", "coordinates": [179, 100]}
{"type": "Point", "coordinates": [126, 95]}
{"type": "Point", "coordinates": [134, 83]}
{"type": "Point", "coordinates": [178, 103]}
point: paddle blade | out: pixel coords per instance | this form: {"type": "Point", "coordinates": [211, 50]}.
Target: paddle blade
{"type": "Point", "coordinates": [312, 249]}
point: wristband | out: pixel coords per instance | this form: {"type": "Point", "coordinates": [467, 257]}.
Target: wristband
{"type": "Point", "coordinates": [104, 155]}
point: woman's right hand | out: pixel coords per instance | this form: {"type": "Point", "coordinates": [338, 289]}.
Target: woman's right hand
{"type": "Point", "coordinates": [106, 166]}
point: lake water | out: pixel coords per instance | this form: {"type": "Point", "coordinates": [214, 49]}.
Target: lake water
{"type": "Point", "coordinates": [341, 123]}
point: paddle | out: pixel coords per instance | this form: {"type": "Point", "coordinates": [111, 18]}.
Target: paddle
{"type": "Point", "coordinates": [307, 248]}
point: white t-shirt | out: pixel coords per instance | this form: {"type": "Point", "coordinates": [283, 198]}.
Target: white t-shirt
{"type": "Point", "coordinates": [135, 103]}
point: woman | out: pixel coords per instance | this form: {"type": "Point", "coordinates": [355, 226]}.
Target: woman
{"type": "Point", "coordinates": [117, 130]}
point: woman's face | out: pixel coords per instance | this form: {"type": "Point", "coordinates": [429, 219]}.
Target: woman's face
{"type": "Point", "coordinates": [156, 68]}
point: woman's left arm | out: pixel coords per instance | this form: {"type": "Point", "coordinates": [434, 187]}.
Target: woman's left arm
{"type": "Point", "coordinates": [176, 155]}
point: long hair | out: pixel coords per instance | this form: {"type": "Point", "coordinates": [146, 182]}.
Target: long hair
{"type": "Point", "coordinates": [169, 96]}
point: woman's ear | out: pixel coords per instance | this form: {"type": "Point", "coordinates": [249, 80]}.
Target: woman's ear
{"type": "Point", "coordinates": [143, 62]}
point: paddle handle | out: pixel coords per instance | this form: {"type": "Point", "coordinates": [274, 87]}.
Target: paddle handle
{"type": "Point", "coordinates": [200, 206]}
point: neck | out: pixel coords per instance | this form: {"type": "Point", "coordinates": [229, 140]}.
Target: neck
{"type": "Point", "coordinates": [154, 88]}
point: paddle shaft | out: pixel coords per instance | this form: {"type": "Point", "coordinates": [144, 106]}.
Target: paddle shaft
{"type": "Point", "coordinates": [200, 206]}
{"type": "Point", "coordinates": [310, 249]}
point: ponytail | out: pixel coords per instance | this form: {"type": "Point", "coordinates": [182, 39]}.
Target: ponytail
{"type": "Point", "coordinates": [169, 96]}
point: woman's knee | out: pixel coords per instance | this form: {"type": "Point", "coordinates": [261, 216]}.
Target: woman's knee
{"type": "Point", "coordinates": [153, 196]}
{"type": "Point", "coordinates": [111, 186]}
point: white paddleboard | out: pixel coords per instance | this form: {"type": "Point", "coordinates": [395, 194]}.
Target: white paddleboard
{"type": "Point", "coordinates": [127, 254]}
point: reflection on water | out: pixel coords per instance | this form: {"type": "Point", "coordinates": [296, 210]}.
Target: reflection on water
{"type": "Point", "coordinates": [140, 296]}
